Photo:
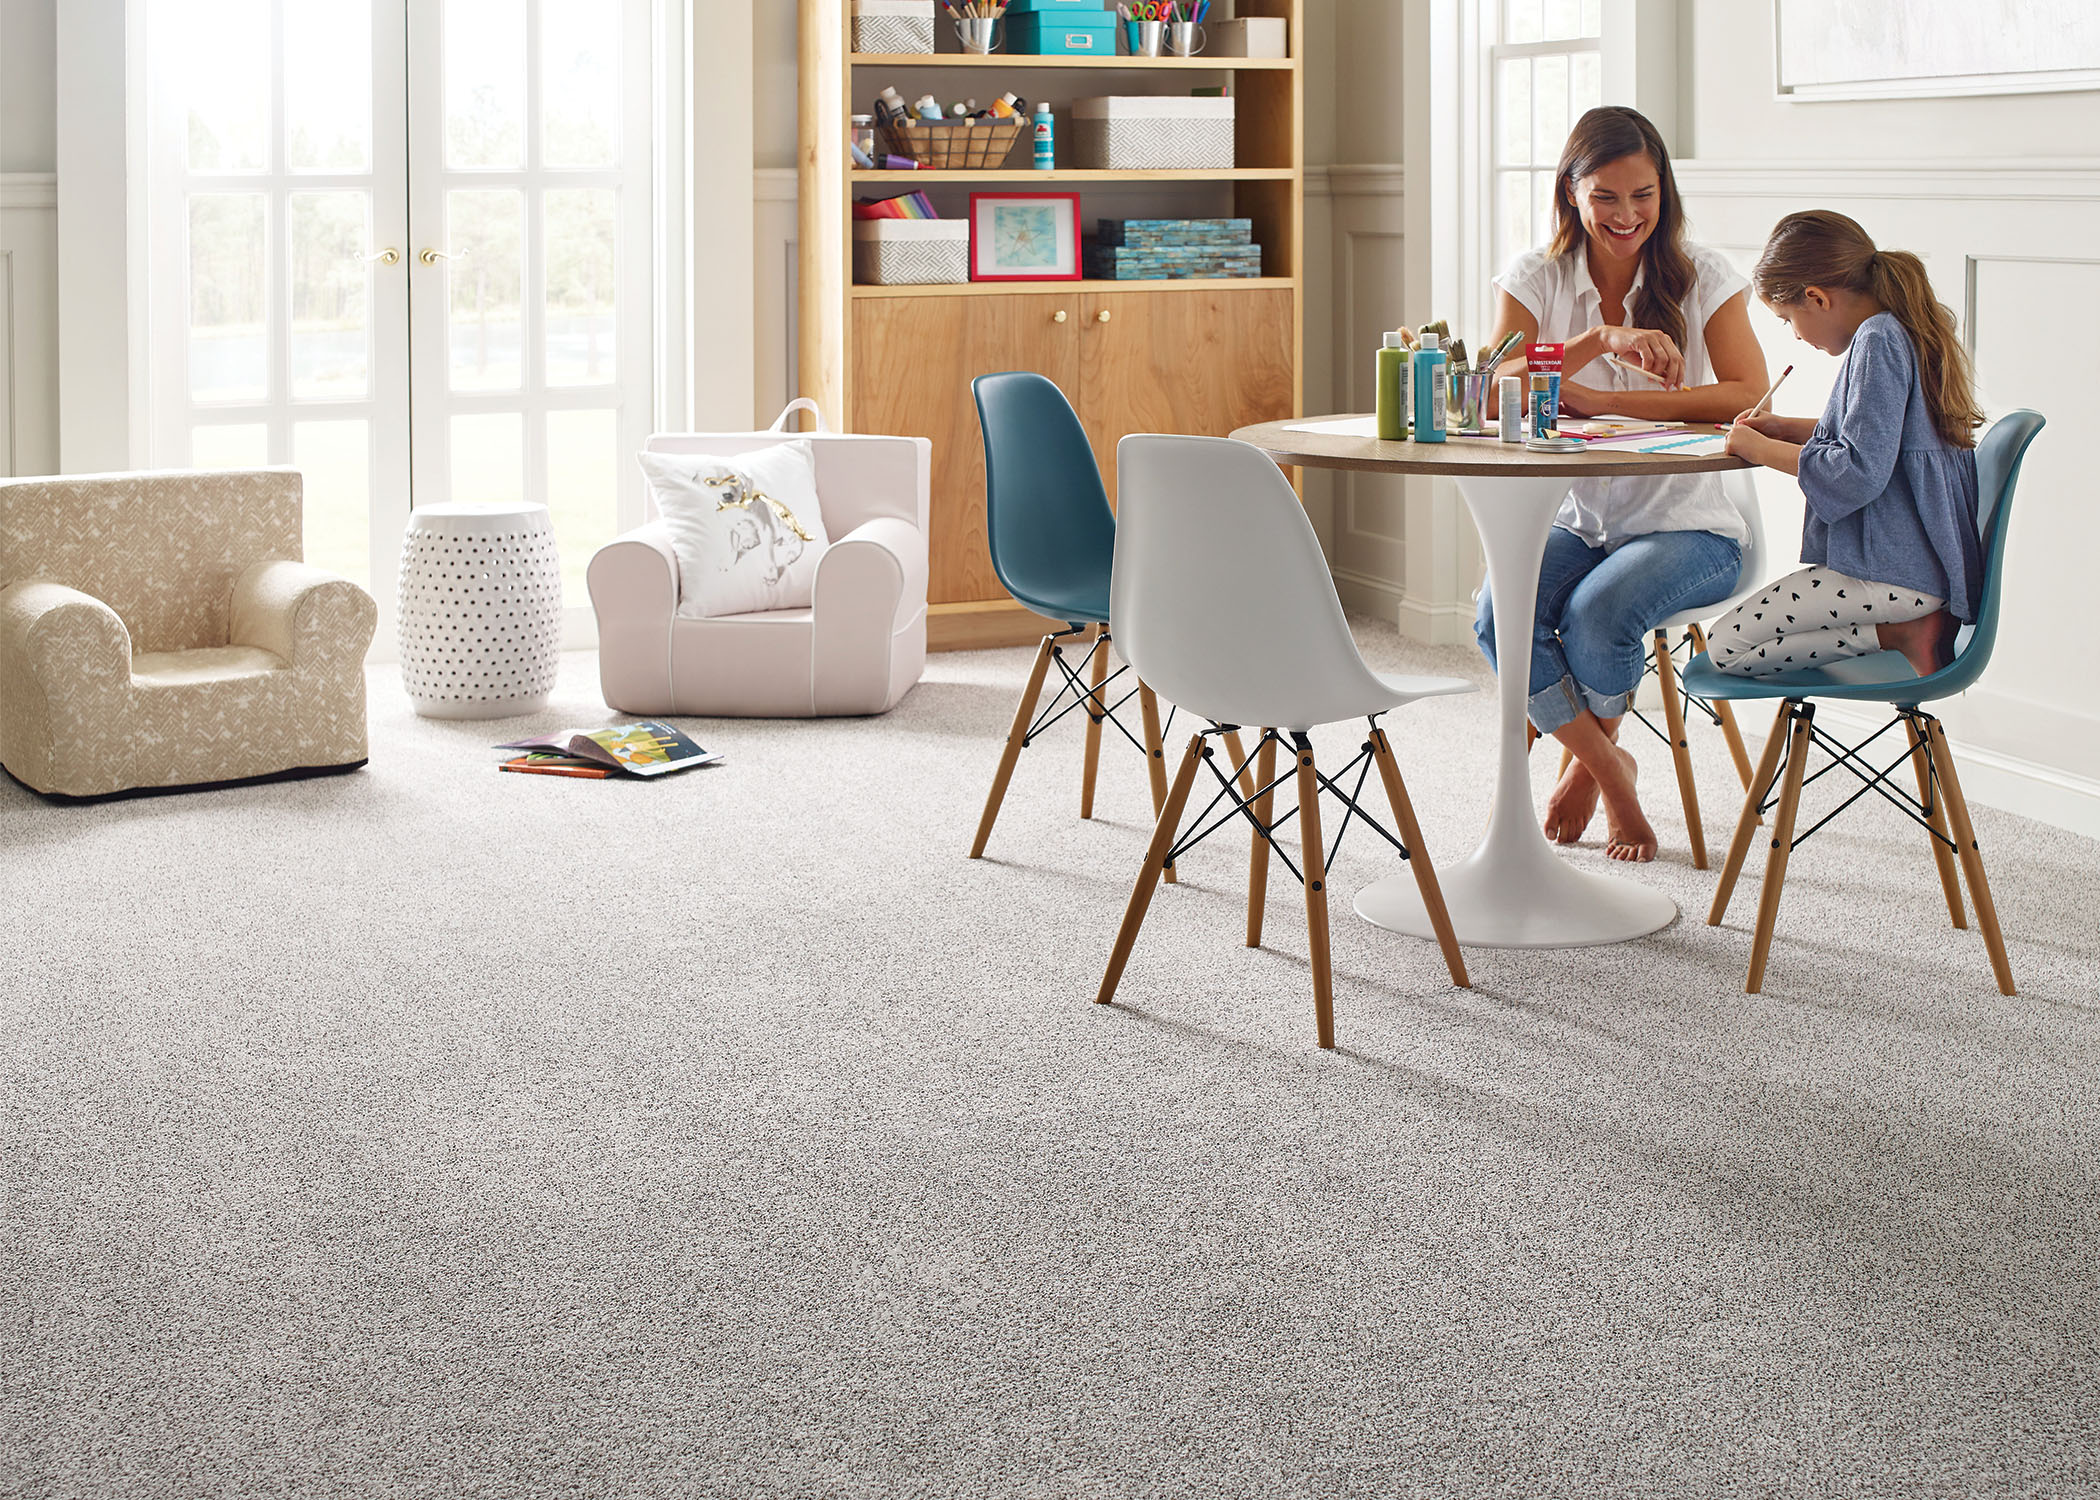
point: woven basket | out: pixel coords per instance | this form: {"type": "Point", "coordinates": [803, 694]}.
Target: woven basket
{"type": "Point", "coordinates": [951, 144]}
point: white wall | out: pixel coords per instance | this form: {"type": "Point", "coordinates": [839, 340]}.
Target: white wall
{"type": "Point", "coordinates": [1995, 196]}
{"type": "Point", "coordinates": [28, 237]}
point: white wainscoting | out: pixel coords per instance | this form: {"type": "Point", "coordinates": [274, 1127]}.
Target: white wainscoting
{"type": "Point", "coordinates": [774, 287]}
{"type": "Point", "coordinates": [28, 322]}
{"type": "Point", "coordinates": [2014, 249]}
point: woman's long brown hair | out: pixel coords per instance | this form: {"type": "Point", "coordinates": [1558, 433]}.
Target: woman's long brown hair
{"type": "Point", "coordinates": [1601, 137]}
{"type": "Point", "coordinates": [1818, 248]}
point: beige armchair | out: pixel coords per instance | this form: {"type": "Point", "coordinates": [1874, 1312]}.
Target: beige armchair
{"type": "Point", "coordinates": [159, 631]}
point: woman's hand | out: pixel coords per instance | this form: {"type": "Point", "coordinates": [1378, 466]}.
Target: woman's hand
{"type": "Point", "coordinates": [1655, 353]}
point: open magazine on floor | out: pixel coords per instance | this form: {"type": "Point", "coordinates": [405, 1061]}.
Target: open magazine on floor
{"type": "Point", "coordinates": [648, 748]}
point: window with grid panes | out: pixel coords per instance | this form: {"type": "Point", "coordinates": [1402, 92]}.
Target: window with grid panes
{"type": "Point", "coordinates": [1545, 67]}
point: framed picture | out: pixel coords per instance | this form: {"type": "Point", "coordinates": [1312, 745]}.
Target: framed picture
{"type": "Point", "coordinates": [1024, 236]}
{"type": "Point", "coordinates": [1924, 49]}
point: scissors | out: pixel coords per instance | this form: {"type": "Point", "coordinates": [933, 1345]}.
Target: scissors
{"type": "Point", "coordinates": [1146, 10]}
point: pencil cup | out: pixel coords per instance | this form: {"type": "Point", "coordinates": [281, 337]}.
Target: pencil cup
{"type": "Point", "coordinates": [1184, 38]}
{"type": "Point", "coordinates": [977, 35]}
{"type": "Point", "coordinates": [1145, 38]}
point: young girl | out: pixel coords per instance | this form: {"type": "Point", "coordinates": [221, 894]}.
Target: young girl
{"type": "Point", "coordinates": [1889, 471]}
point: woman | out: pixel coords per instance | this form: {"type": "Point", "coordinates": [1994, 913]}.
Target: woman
{"type": "Point", "coordinates": [1620, 278]}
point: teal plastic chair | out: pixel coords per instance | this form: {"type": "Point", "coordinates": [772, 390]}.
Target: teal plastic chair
{"type": "Point", "coordinates": [1884, 677]}
{"type": "Point", "coordinates": [1053, 543]}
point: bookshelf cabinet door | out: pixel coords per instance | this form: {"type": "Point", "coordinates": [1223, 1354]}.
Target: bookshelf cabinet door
{"type": "Point", "coordinates": [913, 361]}
{"type": "Point", "coordinates": [1185, 361]}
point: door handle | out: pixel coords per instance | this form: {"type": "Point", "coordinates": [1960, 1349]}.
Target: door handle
{"type": "Point", "coordinates": [1058, 316]}
{"type": "Point", "coordinates": [1101, 316]}
{"type": "Point", "coordinates": [432, 257]}
{"type": "Point", "coordinates": [387, 257]}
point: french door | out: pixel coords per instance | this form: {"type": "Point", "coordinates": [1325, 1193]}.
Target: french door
{"type": "Point", "coordinates": [406, 246]}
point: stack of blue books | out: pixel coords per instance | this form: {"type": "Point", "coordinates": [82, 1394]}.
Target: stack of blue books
{"type": "Point", "coordinates": [1172, 249]}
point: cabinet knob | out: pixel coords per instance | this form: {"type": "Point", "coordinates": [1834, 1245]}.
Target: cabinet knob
{"type": "Point", "coordinates": [1058, 316]}
{"type": "Point", "coordinates": [1101, 316]}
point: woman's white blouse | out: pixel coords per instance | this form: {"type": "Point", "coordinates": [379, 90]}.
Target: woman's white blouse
{"type": "Point", "coordinates": [1558, 291]}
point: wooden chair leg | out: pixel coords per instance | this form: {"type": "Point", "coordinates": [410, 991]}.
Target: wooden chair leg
{"type": "Point", "coordinates": [1798, 737]}
{"type": "Point", "coordinates": [1746, 824]}
{"type": "Point", "coordinates": [1971, 855]}
{"type": "Point", "coordinates": [1096, 706]}
{"type": "Point", "coordinates": [1936, 818]}
{"type": "Point", "coordinates": [1163, 834]}
{"type": "Point", "coordinates": [1726, 715]}
{"type": "Point", "coordinates": [1238, 752]}
{"type": "Point", "coordinates": [1258, 852]}
{"type": "Point", "coordinates": [1680, 747]}
{"type": "Point", "coordinates": [1155, 757]}
{"type": "Point", "coordinates": [1418, 857]}
{"type": "Point", "coordinates": [1015, 739]}
{"type": "Point", "coordinates": [1315, 893]}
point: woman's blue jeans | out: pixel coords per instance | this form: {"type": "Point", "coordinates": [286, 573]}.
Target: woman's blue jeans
{"type": "Point", "coordinates": [1597, 609]}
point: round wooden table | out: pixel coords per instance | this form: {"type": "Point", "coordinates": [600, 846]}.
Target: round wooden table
{"type": "Point", "coordinates": [1513, 891]}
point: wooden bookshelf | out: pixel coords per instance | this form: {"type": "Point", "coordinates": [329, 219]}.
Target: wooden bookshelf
{"type": "Point", "coordinates": [1198, 356]}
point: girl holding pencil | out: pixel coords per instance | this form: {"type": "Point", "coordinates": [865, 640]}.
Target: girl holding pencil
{"type": "Point", "coordinates": [1888, 471]}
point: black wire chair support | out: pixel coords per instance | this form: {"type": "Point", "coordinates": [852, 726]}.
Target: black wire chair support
{"type": "Point", "coordinates": [1243, 804]}
{"type": "Point", "coordinates": [1849, 758]}
{"type": "Point", "coordinates": [1076, 693]}
{"type": "Point", "coordinates": [1685, 696]}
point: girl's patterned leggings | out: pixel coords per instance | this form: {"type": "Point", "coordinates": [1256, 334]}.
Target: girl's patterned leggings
{"type": "Point", "coordinates": [1809, 619]}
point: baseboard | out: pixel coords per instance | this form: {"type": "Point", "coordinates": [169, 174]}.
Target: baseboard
{"type": "Point", "coordinates": [980, 625]}
{"type": "Point", "coordinates": [1368, 595]}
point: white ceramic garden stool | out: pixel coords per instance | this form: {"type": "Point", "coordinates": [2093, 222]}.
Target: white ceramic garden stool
{"type": "Point", "coordinates": [480, 610]}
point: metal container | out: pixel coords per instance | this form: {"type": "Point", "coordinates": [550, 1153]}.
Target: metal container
{"type": "Point", "coordinates": [1467, 405]}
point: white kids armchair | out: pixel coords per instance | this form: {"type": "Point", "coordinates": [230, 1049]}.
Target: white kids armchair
{"type": "Point", "coordinates": [857, 649]}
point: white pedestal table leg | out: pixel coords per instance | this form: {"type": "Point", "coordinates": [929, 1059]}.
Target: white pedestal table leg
{"type": "Point", "coordinates": [1514, 891]}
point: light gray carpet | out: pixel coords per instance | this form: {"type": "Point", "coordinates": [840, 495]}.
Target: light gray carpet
{"type": "Point", "coordinates": [433, 1131]}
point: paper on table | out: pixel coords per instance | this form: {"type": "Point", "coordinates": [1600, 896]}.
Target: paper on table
{"type": "Point", "coordinates": [1704, 445]}
{"type": "Point", "coordinates": [1345, 427]}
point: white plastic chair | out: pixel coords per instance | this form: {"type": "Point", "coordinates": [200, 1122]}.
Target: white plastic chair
{"type": "Point", "coordinates": [1221, 600]}
{"type": "Point", "coordinates": [1677, 701]}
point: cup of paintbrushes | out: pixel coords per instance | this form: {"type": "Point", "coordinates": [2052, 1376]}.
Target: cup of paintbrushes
{"type": "Point", "coordinates": [1466, 410]}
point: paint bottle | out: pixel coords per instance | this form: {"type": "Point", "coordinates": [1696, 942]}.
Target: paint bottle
{"type": "Point", "coordinates": [1509, 392]}
{"type": "Point", "coordinates": [929, 108]}
{"type": "Point", "coordinates": [1045, 140]}
{"type": "Point", "coordinates": [1004, 106]}
{"type": "Point", "coordinates": [1392, 389]}
{"type": "Point", "coordinates": [1432, 382]}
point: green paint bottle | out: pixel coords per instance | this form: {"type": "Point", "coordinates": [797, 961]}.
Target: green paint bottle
{"type": "Point", "coordinates": [1393, 365]}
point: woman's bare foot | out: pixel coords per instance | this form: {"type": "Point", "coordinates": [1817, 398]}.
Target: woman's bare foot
{"type": "Point", "coordinates": [1628, 835]}
{"type": "Point", "coordinates": [1572, 804]}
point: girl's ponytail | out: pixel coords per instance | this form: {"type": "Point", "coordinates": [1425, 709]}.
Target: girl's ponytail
{"type": "Point", "coordinates": [1897, 280]}
{"type": "Point", "coordinates": [1824, 249]}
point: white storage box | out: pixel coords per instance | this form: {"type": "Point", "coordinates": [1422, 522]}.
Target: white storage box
{"type": "Point", "coordinates": [1137, 132]}
{"type": "Point", "coordinates": [892, 25]}
{"type": "Point", "coordinates": [910, 252]}
{"type": "Point", "coordinates": [1251, 36]}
